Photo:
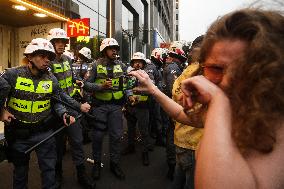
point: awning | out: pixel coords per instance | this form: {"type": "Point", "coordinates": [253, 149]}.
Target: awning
{"type": "Point", "coordinates": [16, 18]}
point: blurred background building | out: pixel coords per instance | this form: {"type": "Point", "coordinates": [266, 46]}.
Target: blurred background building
{"type": "Point", "coordinates": [138, 25]}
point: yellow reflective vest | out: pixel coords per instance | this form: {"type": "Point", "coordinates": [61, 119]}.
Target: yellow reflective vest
{"type": "Point", "coordinates": [30, 99]}
{"type": "Point", "coordinates": [63, 72]}
{"type": "Point", "coordinates": [102, 76]}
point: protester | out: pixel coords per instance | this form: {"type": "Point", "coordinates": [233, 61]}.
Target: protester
{"type": "Point", "coordinates": [187, 138]}
{"type": "Point", "coordinates": [242, 142]}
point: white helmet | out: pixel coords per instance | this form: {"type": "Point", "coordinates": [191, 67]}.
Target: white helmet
{"type": "Point", "coordinates": [176, 45]}
{"type": "Point", "coordinates": [148, 61]}
{"type": "Point", "coordinates": [57, 33]}
{"type": "Point", "coordinates": [86, 52]}
{"type": "Point", "coordinates": [159, 54]}
{"type": "Point", "coordinates": [108, 42]}
{"type": "Point", "coordinates": [138, 56]}
{"type": "Point", "coordinates": [39, 45]}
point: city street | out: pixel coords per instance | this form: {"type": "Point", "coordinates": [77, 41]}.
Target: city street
{"type": "Point", "coordinates": [137, 175]}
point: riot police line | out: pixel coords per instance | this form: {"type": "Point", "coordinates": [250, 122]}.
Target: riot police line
{"type": "Point", "coordinates": [31, 113]}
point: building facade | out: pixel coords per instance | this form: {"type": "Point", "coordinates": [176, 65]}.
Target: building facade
{"type": "Point", "coordinates": [137, 25]}
{"type": "Point", "coordinates": [175, 17]}
{"type": "Point", "coordinates": [21, 21]}
{"type": "Point", "coordinates": [162, 22]}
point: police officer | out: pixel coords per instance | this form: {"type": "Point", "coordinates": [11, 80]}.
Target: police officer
{"type": "Point", "coordinates": [107, 100]}
{"type": "Point", "coordinates": [62, 69]}
{"type": "Point", "coordinates": [83, 65]}
{"type": "Point", "coordinates": [81, 69]}
{"type": "Point", "coordinates": [178, 57]}
{"type": "Point", "coordinates": [27, 113]}
{"type": "Point", "coordinates": [137, 111]}
{"type": "Point", "coordinates": [171, 71]}
{"type": "Point", "coordinates": [154, 68]}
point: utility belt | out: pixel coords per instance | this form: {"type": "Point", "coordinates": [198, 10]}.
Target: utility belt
{"type": "Point", "coordinates": [98, 102]}
{"type": "Point", "coordinates": [20, 130]}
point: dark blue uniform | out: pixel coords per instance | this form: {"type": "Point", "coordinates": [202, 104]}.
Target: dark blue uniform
{"type": "Point", "coordinates": [171, 72]}
{"type": "Point", "coordinates": [29, 100]}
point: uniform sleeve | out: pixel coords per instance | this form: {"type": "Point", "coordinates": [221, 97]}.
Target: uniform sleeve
{"type": "Point", "coordinates": [172, 72]}
{"type": "Point", "coordinates": [150, 71]}
{"type": "Point", "coordinates": [58, 108]}
{"type": "Point", "coordinates": [69, 100]}
{"type": "Point", "coordinates": [74, 76]}
{"type": "Point", "coordinates": [90, 84]}
{"type": "Point", "coordinates": [4, 91]}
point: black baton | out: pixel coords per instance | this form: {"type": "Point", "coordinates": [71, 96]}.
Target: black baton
{"type": "Point", "coordinates": [52, 134]}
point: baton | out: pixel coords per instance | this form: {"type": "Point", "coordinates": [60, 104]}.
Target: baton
{"type": "Point", "coordinates": [72, 107]}
{"type": "Point", "coordinates": [51, 135]}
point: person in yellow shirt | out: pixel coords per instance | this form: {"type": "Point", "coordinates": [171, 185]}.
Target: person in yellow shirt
{"type": "Point", "coordinates": [186, 138]}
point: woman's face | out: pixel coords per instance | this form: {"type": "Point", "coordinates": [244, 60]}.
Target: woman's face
{"type": "Point", "coordinates": [221, 56]}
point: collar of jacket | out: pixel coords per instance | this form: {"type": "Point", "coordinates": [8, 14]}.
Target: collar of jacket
{"type": "Point", "coordinates": [105, 61]}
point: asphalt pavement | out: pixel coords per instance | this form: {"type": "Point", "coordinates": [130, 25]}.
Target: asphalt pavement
{"type": "Point", "coordinates": [137, 175]}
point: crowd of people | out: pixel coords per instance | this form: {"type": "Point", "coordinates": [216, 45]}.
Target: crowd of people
{"type": "Point", "coordinates": [218, 112]}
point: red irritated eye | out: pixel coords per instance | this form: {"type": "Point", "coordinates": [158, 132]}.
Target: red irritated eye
{"type": "Point", "coordinates": [214, 69]}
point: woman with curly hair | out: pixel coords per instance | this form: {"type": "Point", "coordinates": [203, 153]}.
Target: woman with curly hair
{"type": "Point", "coordinates": [243, 88]}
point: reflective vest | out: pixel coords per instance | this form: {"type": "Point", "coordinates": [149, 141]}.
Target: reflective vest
{"type": "Point", "coordinates": [102, 75]}
{"type": "Point", "coordinates": [141, 98]}
{"type": "Point", "coordinates": [28, 102]}
{"type": "Point", "coordinates": [62, 71]}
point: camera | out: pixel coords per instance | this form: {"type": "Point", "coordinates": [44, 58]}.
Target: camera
{"type": "Point", "coordinates": [127, 82]}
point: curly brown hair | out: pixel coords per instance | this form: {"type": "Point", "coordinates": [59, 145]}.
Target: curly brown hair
{"type": "Point", "coordinates": [256, 88]}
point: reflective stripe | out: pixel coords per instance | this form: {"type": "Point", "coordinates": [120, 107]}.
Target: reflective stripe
{"type": "Point", "coordinates": [141, 98]}
{"type": "Point", "coordinates": [106, 96]}
{"type": "Point", "coordinates": [28, 106]}
{"type": "Point", "coordinates": [117, 69]}
{"type": "Point", "coordinates": [25, 84]}
{"type": "Point", "coordinates": [66, 66]}
{"type": "Point", "coordinates": [101, 69]}
{"type": "Point", "coordinates": [69, 81]}
{"type": "Point", "coordinates": [57, 68]}
{"type": "Point", "coordinates": [20, 105]}
{"type": "Point", "coordinates": [74, 92]}
{"type": "Point", "coordinates": [64, 83]}
{"type": "Point", "coordinates": [117, 95]}
{"type": "Point", "coordinates": [44, 87]}
{"type": "Point", "coordinates": [40, 106]}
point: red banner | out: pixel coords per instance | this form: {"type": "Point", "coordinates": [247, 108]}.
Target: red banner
{"type": "Point", "coordinates": [78, 27]}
